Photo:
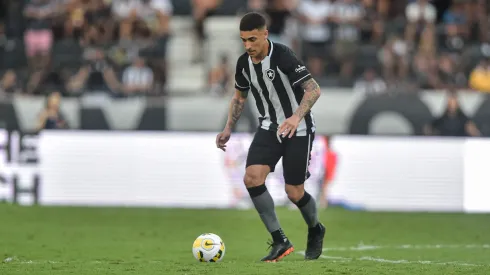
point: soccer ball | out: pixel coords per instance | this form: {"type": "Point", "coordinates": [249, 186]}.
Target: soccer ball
{"type": "Point", "coordinates": [208, 247]}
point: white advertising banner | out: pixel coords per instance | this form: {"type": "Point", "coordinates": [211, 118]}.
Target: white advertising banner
{"type": "Point", "coordinates": [131, 169]}
{"type": "Point", "coordinates": [477, 176]}
{"type": "Point", "coordinates": [157, 169]}
{"type": "Point", "coordinates": [399, 173]}
{"type": "Point", "coordinates": [151, 169]}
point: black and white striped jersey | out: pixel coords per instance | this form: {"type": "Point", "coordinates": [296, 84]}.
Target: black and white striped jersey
{"type": "Point", "coordinates": [276, 86]}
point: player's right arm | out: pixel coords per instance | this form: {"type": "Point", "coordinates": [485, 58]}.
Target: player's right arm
{"type": "Point", "coordinates": [242, 86]}
{"type": "Point", "coordinates": [236, 108]}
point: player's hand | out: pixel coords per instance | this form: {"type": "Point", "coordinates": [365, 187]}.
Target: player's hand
{"type": "Point", "coordinates": [222, 139]}
{"type": "Point", "coordinates": [289, 126]}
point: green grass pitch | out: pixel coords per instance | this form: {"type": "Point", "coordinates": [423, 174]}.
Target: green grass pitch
{"type": "Point", "coordinates": [59, 240]}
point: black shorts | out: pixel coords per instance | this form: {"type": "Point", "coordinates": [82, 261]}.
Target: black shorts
{"type": "Point", "coordinates": [295, 152]}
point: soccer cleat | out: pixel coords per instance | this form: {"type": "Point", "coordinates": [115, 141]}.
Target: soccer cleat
{"type": "Point", "coordinates": [278, 251]}
{"type": "Point", "coordinates": [314, 245]}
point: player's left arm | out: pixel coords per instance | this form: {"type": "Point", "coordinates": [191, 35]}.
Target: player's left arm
{"type": "Point", "coordinates": [311, 95]}
{"type": "Point", "coordinates": [299, 75]}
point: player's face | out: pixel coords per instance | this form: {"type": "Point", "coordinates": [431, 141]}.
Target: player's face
{"type": "Point", "coordinates": [254, 41]}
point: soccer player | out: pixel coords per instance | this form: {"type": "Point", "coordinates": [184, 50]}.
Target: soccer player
{"type": "Point", "coordinates": [284, 92]}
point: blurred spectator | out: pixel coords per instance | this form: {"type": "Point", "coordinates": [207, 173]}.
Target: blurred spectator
{"type": "Point", "coordinates": [38, 35]}
{"type": "Point", "coordinates": [425, 59]}
{"type": "Point", "coordinates": [219, 77]}
{"type": "Point", "coordinates": [347, 15]}
{"type": "Point", "coordinates": [445, 76]}
{"type": "Point", "coordinates": [51, 117]}
{"type": "Point", "coordinates": [477, 16]}
{"type": "Point", "coordinates": [453, 122]}
{"type": "Point", "coordinates": [75, 23]}
{"type": "Point", "coordinates": [394, 59]}
{"type": "Point", "coordinates": [202, 9]}
{"type": "Point", "coordinates": [393, 11]}
{"type": "Point", "coordinates": [427, 44]}
{"type": "Point", "coordinates": [9, 84]}
{"type": "Point", "coordinates": [40, 80]}
{"type": "Point", "coordinates": [91, 37]}
{"type": "Point", "coordinates": [256, 5]}
{"type": "Point", "coordinates": [137, 78]}
{"type": "Point", "coordinates": [156, 14]}
{"type": "Point", "coordinates": [154, 39]}
{"type": "Point", "coordinates": [480, 77]}
{"type": "Point", "coordinates": [126, 50]}
{"type": "Point", "coordinates": [126, 14]}
{"type": "Point", "coordinates": [455, 16]}
{"type": "Point", "coordinates": [370, 84]}
{"type": "Point", "coordinates": [372, 24]}
{"type": "Point", "coordinates": [316, 33]}
{"type": "Point", "coordinates": [455, 31]}
{"type": "Point", "coordinates": [137, 15]}
{"type": "Point", "coordinates": [96, 75]}
{"type": "Point", "coordinates": [384, 8]}
{"type": "Point", "coordinates": [87, 14]}
{"type": "Point", "coordinates": [420, 15]}
{"type": "Point", "coordinates": [279, 12]}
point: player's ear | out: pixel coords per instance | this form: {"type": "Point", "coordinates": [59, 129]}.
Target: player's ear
{"type": "Point", "coordinates": [266, 33]}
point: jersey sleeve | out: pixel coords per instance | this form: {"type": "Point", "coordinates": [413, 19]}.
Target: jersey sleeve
{"type": "Point", "coordinates": [294, 68]}
{"type": "Point", "coordinates": [241, 82]}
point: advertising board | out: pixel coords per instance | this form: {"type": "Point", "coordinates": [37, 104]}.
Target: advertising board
{"type": "Point", "coordinates": [170, 169]}
{"type": "Point", "coordinates": [18, 167]}
{"type": "Point", "coordinates": [150, 169]}
{"type": "Point", "coordinates": [476, 176]}
{"type": "Point", "coordinates": [399, 173]}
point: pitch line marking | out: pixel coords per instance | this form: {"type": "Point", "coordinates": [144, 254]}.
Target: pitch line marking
{"type": "Point", "coordinates": [381, 260]}
{"type": "Point", "coordinates": [362, 247]}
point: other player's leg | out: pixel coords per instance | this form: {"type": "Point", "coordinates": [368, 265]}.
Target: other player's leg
{"type": "Point", "coordinates": [264, 153]}
{"type": "Point", "coordinates": [295, 162]}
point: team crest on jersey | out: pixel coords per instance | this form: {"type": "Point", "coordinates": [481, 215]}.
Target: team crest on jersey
{"type": "Point", "coordinates": [270, 74]}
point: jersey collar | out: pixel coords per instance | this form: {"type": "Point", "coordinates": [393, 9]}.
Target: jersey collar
{"type": "Point", "coordinates": [271, 47]}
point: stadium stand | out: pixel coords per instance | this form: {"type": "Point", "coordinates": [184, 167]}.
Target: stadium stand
{"type": "Point", "coordinates": [367, 47]}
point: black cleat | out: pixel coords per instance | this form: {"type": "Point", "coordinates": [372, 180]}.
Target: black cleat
{"type": "Point", "coordinates": [314, 246]}
{"type": "Point", "coordinates": [278, 251]}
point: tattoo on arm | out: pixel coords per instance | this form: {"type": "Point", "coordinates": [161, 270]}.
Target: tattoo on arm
{"type": "Point", "coordinates": [312, 93]}
{"type": "Point", "coordinates": [236, 108]}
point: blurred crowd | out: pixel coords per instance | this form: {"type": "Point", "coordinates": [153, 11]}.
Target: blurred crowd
{"type": "Point", "coordinates": [378, 46]}
{"type": "Point", "coordinates": [75, 46]}
{"type": "Point", "coordinates": [118, 47]}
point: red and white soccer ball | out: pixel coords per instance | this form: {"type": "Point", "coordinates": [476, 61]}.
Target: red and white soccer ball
{"type": "Point", "coordinates": [208, 247]}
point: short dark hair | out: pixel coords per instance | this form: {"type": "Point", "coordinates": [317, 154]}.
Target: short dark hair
{"type": "Point", "coordinates": [252, 21]}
